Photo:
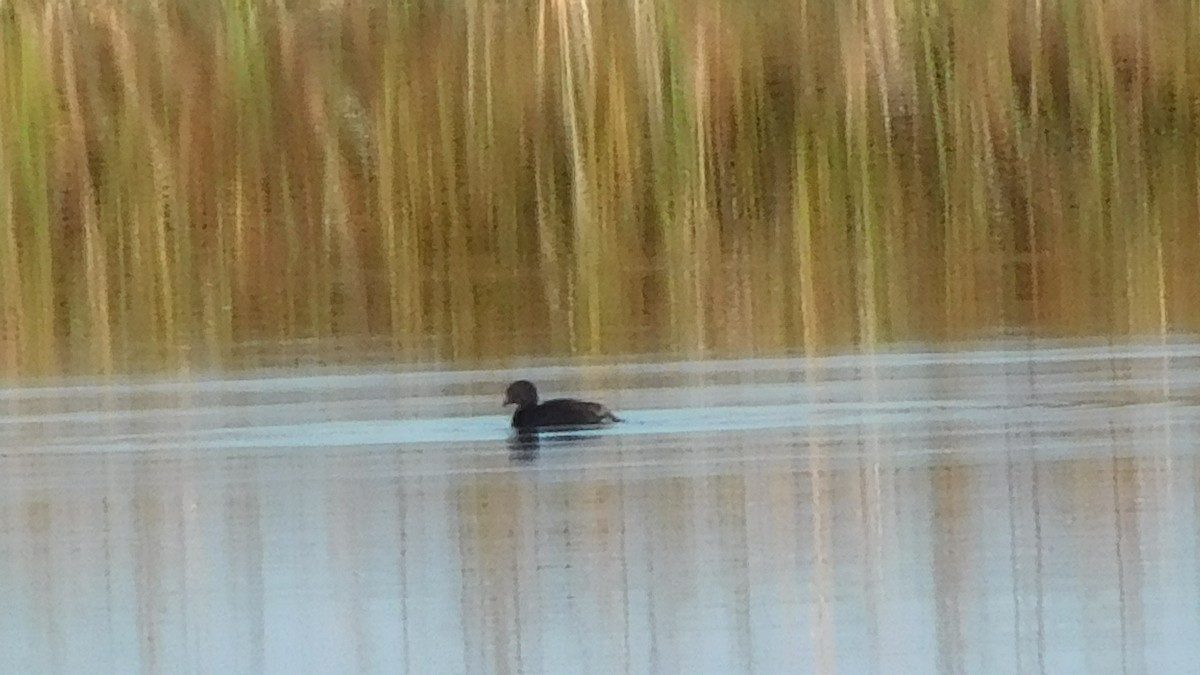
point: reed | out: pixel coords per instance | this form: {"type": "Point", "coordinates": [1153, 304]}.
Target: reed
{"type": "Point", "coordinates": [182, 182]}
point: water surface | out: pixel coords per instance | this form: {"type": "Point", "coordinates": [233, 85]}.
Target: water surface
{"type": "Point", "coordinates": [1010, 508]}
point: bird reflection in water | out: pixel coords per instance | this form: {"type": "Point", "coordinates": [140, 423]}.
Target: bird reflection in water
{"type": "Point", "coordinates": [525, 444]}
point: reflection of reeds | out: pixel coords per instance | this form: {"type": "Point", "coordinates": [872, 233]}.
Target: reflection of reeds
{"type": "Point", "coordinates": [588, 177]}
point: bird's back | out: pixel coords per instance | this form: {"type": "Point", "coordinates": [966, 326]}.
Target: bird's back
{"type": "Point", "coordinates": [563, 412]}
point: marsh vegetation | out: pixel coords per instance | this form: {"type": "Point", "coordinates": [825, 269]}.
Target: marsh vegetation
{"type": "Point", "coordinates": [464, 183]}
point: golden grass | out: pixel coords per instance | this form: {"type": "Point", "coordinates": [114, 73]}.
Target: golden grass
{"type": "Point", "coordinates": [466, 183]}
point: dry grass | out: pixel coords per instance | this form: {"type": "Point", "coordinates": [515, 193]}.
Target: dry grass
{"type": "Point", "coordinates": [177, 179]}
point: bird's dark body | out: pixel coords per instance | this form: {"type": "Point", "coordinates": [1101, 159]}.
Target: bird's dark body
{"type": "Point", "coordinates": [562, 412]}
{"type": "Point", "coordinates": [555, 413]}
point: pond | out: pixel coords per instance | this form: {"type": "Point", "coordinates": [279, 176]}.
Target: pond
{"type": "Point", "coordinates": [1008, 507]}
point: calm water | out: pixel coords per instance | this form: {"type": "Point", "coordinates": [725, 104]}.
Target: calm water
{"type": "Point", "coordinates": [1014, 508]}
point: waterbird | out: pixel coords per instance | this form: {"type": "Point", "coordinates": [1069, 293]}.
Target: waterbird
{"type": "Point", "coordinates": [558, 412]}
